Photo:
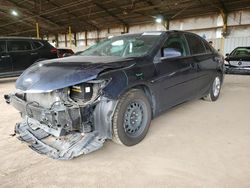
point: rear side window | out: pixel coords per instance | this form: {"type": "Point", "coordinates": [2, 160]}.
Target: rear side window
{"type": "Point", "coordinates": [2, 46]}
{"type": "Point", "coordinates": [195, 44]}
{"type": "Point", "coordinates": [18, 46]}
{"type": "Point", "coordinates": [37, 44]}
{"type": "Point", "coordinates": [207, 47]}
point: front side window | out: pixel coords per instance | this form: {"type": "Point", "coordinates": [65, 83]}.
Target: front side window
{"type": "Point", "coordinates": [2, 46]}
{"type": "Point", "coordinates": [195, 44]}
{"type": "Point", "coordinates": [18, 46]}
{"type": "Point", "coordinates": [124, 46]}
{"type": "Point", "coordinates": [175, 46]}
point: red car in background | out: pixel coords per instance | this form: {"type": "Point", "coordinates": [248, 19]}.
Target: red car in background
{"type": "Point", "coordinates": [64, 52]}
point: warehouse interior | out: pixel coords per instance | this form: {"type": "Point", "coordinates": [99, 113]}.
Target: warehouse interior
{"type": "Point", "coordinates": [195, 144]}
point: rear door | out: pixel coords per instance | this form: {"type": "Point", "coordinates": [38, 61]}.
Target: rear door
{"type": "Point", "coordinates": [204, 60]}
{"type": "Point", "coordinates": [176, 72]}
{"type": "Point", "coordinates": [36, 50]}
{"type": "Point", "coordinates": [5, 61]}
{"type": "Point", "coordinates": [20, 52]}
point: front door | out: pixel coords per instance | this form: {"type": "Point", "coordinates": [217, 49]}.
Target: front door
{"type": "Point", "coordinates": [176, 73]}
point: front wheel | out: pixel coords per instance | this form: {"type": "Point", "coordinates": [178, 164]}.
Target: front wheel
{"type": "Point", "coordinates": [131, 118]}
{"type": "Point", "coordinates": [214, 91]}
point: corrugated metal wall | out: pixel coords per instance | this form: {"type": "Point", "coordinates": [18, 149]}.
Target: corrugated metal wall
{"type": "Point", "coordinates": [229, 44]}
{"type": "Point", "coordinates": [232, 43]}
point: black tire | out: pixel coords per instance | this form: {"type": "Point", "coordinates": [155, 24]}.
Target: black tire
{"type": "Point", "coordinates": [132, 101]}
{"type": "Point", "coordinates": [214, 95]}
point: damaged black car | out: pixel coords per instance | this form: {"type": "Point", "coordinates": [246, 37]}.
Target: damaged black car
{"type": "Point", "coordinates": [112, 90]}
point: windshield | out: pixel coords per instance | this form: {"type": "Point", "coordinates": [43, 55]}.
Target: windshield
{"type": "Point", "coordinates": [134, 45]}
{"type": "Point", "coordinates": [241, 52]}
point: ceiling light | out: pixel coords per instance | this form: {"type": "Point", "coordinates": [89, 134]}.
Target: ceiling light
{"type": "Point", "coordinates": [14, 13]}
{"type": "Point", "coordinates": [158, 20]}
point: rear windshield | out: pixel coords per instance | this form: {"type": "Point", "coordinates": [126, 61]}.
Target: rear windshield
{"type": "Point", "coordinates": [241, 52]}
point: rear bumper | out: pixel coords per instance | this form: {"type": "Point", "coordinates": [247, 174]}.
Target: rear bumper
{"type": "Point", "coordinates": [236, 70]}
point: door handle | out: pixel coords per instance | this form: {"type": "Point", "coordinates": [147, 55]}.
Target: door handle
{"type": "Point", "coordinates": [35, 53]}
{"type": "Point", "coordinates": [193, 65]}
{"type": "Point", "coordinates": [217, 59]}
{"type": "Point", "coordinates": [5, 56]}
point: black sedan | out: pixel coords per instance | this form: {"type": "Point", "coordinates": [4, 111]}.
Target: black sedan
{"type": "Point", "coordinates": [238, 61]}
{"type": "Point", "coordinates": [112, 90]}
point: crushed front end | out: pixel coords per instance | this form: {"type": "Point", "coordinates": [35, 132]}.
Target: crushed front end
{"type": "Point", "coordinates": [64, 123]}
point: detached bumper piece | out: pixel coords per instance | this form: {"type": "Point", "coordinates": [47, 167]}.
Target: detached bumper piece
{"type": "Point", "coordinates": [64, 147]}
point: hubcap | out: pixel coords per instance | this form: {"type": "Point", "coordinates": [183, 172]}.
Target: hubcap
{"type": "Point", "coordinates": [216, 86]}
{"type": "Point", "coordinates": [134, 118]}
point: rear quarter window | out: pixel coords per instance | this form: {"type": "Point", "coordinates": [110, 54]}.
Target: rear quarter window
{"type": "Point", "coordinates": [37, 45]}
{"type": "Point", "coordinates": [208, 47]}
{"type": "Point", "coordinates": [18, 45]}
{"type": "Point", "coordinates": [196, 45]}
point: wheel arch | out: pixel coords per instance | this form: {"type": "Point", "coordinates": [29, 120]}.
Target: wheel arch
{"type": "Point", "coordinates": [148, 93]}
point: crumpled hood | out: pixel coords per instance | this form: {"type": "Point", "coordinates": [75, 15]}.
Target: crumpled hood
{"type": "Point", "coordinates": [55, 74]}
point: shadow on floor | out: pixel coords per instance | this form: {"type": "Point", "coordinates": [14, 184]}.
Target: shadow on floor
{"type": "Point", "coordinates": [8, 80]}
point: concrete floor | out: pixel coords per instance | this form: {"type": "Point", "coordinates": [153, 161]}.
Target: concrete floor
{"type": "Point", "coordinates": [197, 144]}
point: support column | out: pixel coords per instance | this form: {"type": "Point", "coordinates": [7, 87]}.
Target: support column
{"type": "Point", "coordinates": [166, 24]}
{"type": "Point", "coordinates": [37, 30]}
{"type": "Point", "coordinates": [125, 29]}
{"type": "Point", "coordinates": [224, 29]}
{"type": "Point", "coordinates": [70, 37]}
{"type": "Point", "coordinates": [98, 35]}
{"type": "Point", "coordinates": [86, 38]}
{"type": "Point", "coordinates": [224, 16]}
{"type": "Point", "coordinates": [75, 39]}
{"type": "Point", "coordinates": [65, 38]}
{"type": "Point", "coordinates": [56, 38]}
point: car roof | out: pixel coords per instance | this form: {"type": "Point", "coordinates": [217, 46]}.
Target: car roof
{"type": "Point", "coordinates": [20, 38]}
{"type": "Point", "coordinates": [242, 47]}
{"type": "Point", "coordinates": [161, 32]}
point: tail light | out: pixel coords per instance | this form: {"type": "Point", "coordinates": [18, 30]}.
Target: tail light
{"type": "Point", "coordinates": [53, 50]}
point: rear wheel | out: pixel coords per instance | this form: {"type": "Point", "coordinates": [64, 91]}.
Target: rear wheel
{"type": "Point", "coordinates": [132, 118]}
{"type": "Point", "coordinates": [214, 91]}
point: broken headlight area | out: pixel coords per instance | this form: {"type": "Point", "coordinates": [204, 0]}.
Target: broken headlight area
{"type": "Point", "coordinates": [86, 93]}
{"type": "Point", "coordinates": [67, 122]}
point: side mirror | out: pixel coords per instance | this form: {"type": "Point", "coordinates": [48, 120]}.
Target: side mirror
{"type": "Point", "coordinates": [227, 57]}
{"type": "Point", "coordinates": [66, 55]}
{"type": "Point", "coordinates": [170, 53]}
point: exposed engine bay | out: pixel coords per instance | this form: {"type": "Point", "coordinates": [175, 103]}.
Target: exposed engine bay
{"type": "Point", "coordinates": [65, 123]}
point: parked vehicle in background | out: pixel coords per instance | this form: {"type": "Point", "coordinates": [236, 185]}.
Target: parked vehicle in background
{"type": "Point", "coordinates": [78, 52]}
{"type": "Point", "coordinates": [63, 52]}
{"type": "Point", "coordinates": [17, 54]}
{"type": "Point", "coordinates": [238, 61]}
{"type": "Point", "coordinates": [112, 90]}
